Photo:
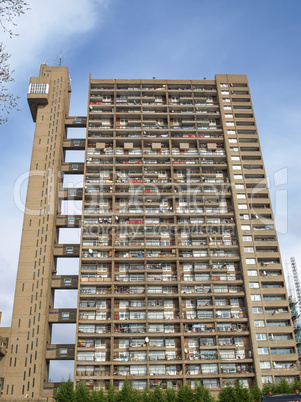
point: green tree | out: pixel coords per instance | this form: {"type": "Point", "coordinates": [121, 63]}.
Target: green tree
{"type": "Point", "coordinates": [147, 395]}
{"type": "Point", "coordinates": [267, 388]}
{"type": "Point", "coordinates": [65, 392]}
{"type": "Point", "coordinates": [202, 394]}
{"type": "Point", "coordinates": [282, 387]}
{"type": "Point", "coordinates": [256, 394]}
{"type": "Point", "coordinates": [170, 395]}
{"type": "Point", "coordinates": [241, 393]}
{"type": "Point", "coordinates": [111, 394]}
{"type": "Point", "coordinates": [82, 393]}
{"type": "Point", "coordinates": [128, 393]}
{"type": "Point", "coordinates": [98, 396]}
{"type": "Point", "coordinates": [296, 385]}
{"type": "Point", "coordinates": [227, 394]}
{"type": "Point", "coordinates": [185, 394]}
{"type": "Point", "coordinates": [158, 394]}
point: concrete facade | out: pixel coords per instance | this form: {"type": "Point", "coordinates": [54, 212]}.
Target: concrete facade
{"type": "Point", "coordinates": [180, 278]}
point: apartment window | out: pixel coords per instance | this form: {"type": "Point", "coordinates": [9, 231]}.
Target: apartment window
{"type": "Point", "coordinates": [250, 261]}
{"type": "Point", "coordinates": [236, 167]}
{"type": "Point", "coordinates": [241, 196]}
{"type": "Point", "coordinates": [282, 351]}
{"type": "Point", "coordinates": [226, 100]}
{"type": "Point", "coordinates": [255, 298]}
{"type": "Point", "coordinates": [249, 249]}
{"type": "Point", "coordinates": [266, 378]}
{"type": "Point", "coordinates": [261, 337]}
{"type": "Point", "coordinates": [247, 238]}
{"type": "Point", "coordinates": [101, 343]}
{"type": "Point", "coordinates": [263, 351]}
{"type": "Point", "coordinates": [257, 310]}
{"type": "Point", "coordinates": [170, 342]}
{"type": "Point", "coordinates": [239, 187]}
{"type": "Point", "coordinates": [38, 89]}
{"type": "Point", "coordinates": [238, 177]}
{"type": "Point", "coordinates": [169, 329]}
{"type": "Point", "coordinates": [227, 107]}
{"type": "Point", "coordinates": [63, 351]}
{"type": "Point", "coordinates": [244, 217]}
{"type": "Point", "coordinates": [259, 324]}
{"type": "Point", "coordinates": [222, 85]}
{"type": "Point", "coordinates": [229, 123]}
{"type": "Point", "coordinates": [225, 93]}
{"type": "Point", "coordinates": [65, 316]}
{"type": "Point", "coordinates": [265, 365]}
{"type": "Point", "coordinates": [245, 227]}
{"type": "Point", "coordinates": [242, 206]}
{"type": "Point", "coordinates": [254, 285]}
{"type": "Point", "coordinates": [85, 356]}
{"type": "Point", "coordinates": [252, 272]}
{"type": "Point", "coordinates": [233, 140]}
{"type": "Point", "coordinates": [273, 298]}
{"type": "Point", "coordinates": [231, 132]}
{"type": "Point", "coordinates": [278, 323]}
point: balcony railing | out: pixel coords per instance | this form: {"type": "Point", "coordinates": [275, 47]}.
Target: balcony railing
{"type": "Point", "coordinates": [92, 372]}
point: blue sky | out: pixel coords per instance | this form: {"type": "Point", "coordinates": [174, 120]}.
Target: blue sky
{"type": "Point", "coordinates": [163, 39]}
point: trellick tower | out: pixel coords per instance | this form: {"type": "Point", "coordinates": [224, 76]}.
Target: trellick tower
{"type": "Point", "coordinates": [180, 278]}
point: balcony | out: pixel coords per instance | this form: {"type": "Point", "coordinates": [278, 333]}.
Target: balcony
{"type": "Point", "coordinates": [124, 290]}
{"type": "Point", "coordinates": [91, 371]}
{"type": "Point", "coordinates": [237, 369]}
{"type": "Point", "coordinates": [161, 278]}
{"type": "Point", "coordinates": [95, 278]}
{"type": "Point", "coordinates": [130, 329]}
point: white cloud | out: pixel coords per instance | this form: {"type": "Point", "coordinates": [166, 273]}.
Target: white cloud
{"type": "Point", "coordinates": [45, 30]}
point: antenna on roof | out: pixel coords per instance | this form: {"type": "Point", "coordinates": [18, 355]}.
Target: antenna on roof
{"type": "Point", "coordinates": [59, 60]}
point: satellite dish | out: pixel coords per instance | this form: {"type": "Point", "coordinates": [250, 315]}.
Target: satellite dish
{"type": "Point", "coordinates": [90, 251]}
{"type": "Point", "coordinates": [185, 350]}
{"type": "Point", "coordinates": [146, 339]}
